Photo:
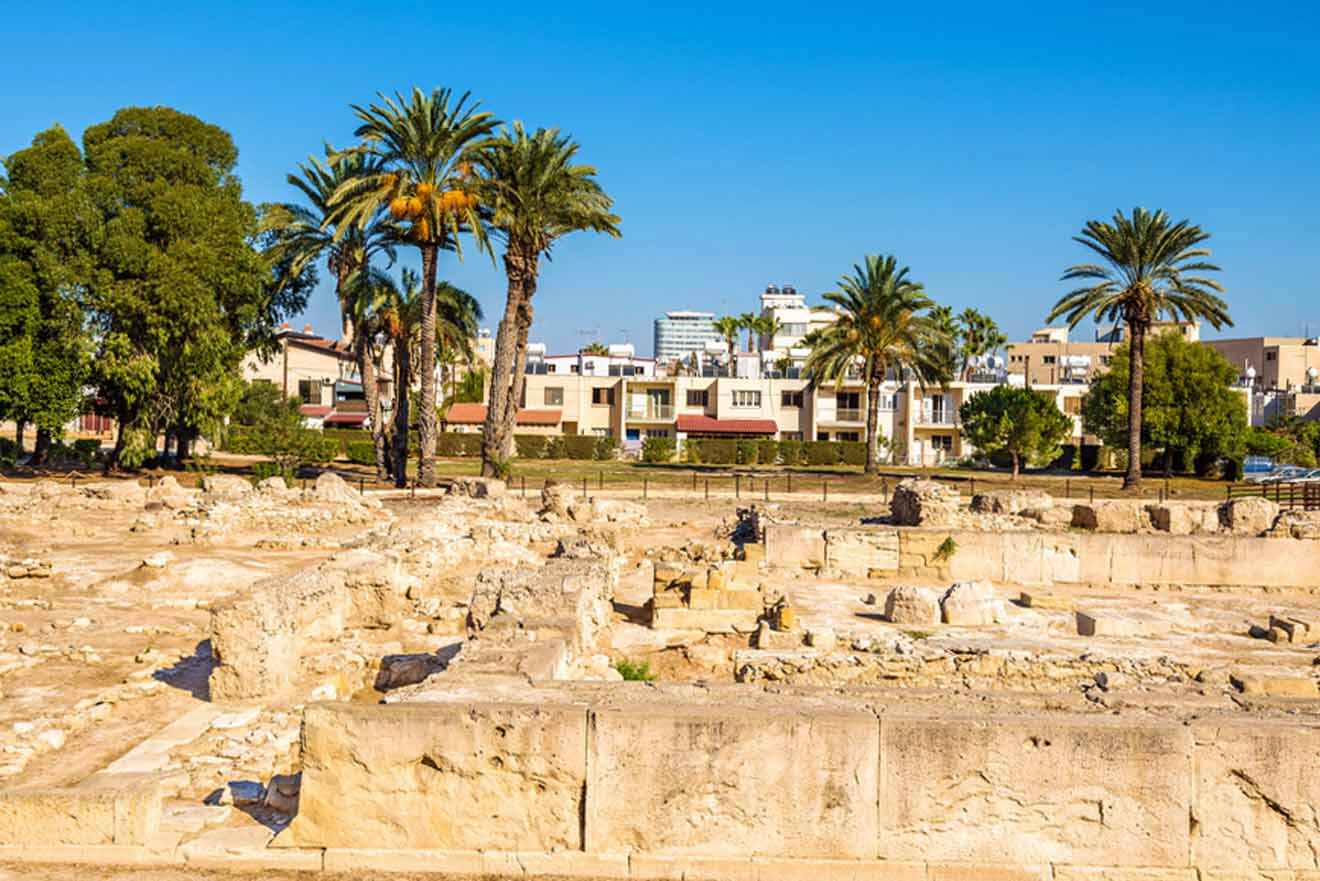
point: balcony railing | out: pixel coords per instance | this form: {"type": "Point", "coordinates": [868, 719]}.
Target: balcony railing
{"type": "Point", "coordinates": [938, 417]}
{"type": "Point", "coordinates": [848, 414]}
{"type": "Point", "coordinates": [654, 412]}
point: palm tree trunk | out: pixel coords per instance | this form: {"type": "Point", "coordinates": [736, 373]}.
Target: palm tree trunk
{"type": "Point", "coordinates": [367, 373]}
{"type": "Point", "coordinates": [492, 441]}
{"type": "Point", "coordinates": [402, 380]}
{"type": "Point", "coordinates": [426, 424]}
{"type": "Point", "coordinates": [872, 426]}
{"type": "Point", "coordinates": [1136, 370]}
{"type": "Point", "coordinates": [524, 318]}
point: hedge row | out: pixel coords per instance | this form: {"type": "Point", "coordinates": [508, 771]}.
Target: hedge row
{"type": "Point", "coordinates": [246, 440]}
{"type": "Point", "coordinates": [730, 451]}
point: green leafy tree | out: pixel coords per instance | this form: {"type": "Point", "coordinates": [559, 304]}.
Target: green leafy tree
{"type": "Point", "coordinates": [885, 324]}
{"type": "Point", "coordinates": [1190, 410]}
{"type": "Point", "coordinates": [181, 290]}
{"type": "Point", "coordinates": [596, 348]}
{"type": "Point", "coordinates": [422, 150]}
{"type": "Point", "coordinates": [48, 227]}
{"type": "Point", "coordinates": [535, 192]}
{"type": "Point", "coordinates": [977, 336]}
{"type": "Point", "coordinates": [1026, 426]}
{"type": "Point", "coordinates": [1293, 441]}
{"type": "Point", "coordinates": [258, 401]}
{"type": "Point", "coordinates": [1149, 269]}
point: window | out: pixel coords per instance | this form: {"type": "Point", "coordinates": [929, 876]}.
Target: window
{"type": "Point", "coordinates": [554, 396]}
{"type": "Point", "coordinates": [942, 442]}
{"type": "Point", "coordinates": [696, 397]}
{"type": "Point", "coordinates": [1047, 359]}
{"type": "Point", "coordinates": [746, 398]}
{"type": "Point", "coordinates": [602, 397]}
{"type": "Point", "coordinates": [790, 399]}
{"type": "Point", "coordinates": [1105, 359]}
{"type": "Point", "coordinates": [849, 400]}
{"type": "Point", "coordinates": [657, 432]}
{"type": "Point", "coordinates": [822, 435]}
{"type": "Point", "coordinates": [790, 435]}
{"type": "Point", "coordinates": [1269, 356]}
{"type": "Point", "coordinates": [793, 330]}
{"type": "Point", "coordinates": [848, 435]}
{"type": "Point", "coordinates": [309, 391]}
{"type": "Point", "coordinates": [888, 401]}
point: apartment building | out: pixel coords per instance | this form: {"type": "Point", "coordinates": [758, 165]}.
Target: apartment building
{"type": "Point", "coordinates": [321, 373]}
{"type": "Point", "coordinates": [796, 320]}
{"type": "Point", "coordinates": [1268, 363]}
{"type": "Point", "coordinates": [1050, 357]}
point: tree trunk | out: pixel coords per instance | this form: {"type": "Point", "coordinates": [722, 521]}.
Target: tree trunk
{"type": "Point", "coordinates": [872, 426]}
{"type": "Point", "coordinates": [402, 381]}
{"type": "Point", "coordinates": [519, 369]}
{"type": "Point", "coordinates": [41, 450]}
{"type": "Point", "coordinates": [1017, 466]}
{"type": "Point", "coordinates": [1136, 375]}
{"type": "Point", "coordinates": [426, 424]}
{"type": "Point", "coordinates": [182, 438]}
{"type": "Point", "coordinates": [367, 373]}
{"type": "Point", "coordinates": [502, 379]}
{"type": "Point", "coordinates": [20, 429]}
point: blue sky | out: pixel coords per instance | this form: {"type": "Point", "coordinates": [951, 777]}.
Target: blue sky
{"type": "Point", "coordinates": [757, 143]}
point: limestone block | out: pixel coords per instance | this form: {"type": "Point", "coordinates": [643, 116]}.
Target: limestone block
{"type": "Point", "coordinates": [749, 600]}
{"type": "Point", "coordinates": [700, 780]}
{"type": "Point", "coordinates": [970, 604]}
{"type": "Point", "coordinates": [1257, 796]}
{"type": "Point", "coordinates": [1271, 685]}
{"type": "Point", "coordinates": [716, 579]}
{"type": "Point", "coordinates": [703, 599]}
{"type": "Point", "coordinates": [1184, 518]}
{"type": "Point", "coordinates": [918, 502]}
{"type": "Point", "coordinates": [1037, 599]}
{"type": "Point", "coordinates": [1115, 515]}
{"type": "Point", "coordinates": [1303, 525]}
{"type": "Point", "coordinates": [226, 486]}
{"type": "Point", "coordinates": [117, 809]}
{"type": "Point", "coordinates": [443, 776]}
{"type": "Point", "coordinates": [1091, 792]}
{"type": "Point", "coordinates": [861, 551]}
{"type": "Point", "coordinates": [168, 494]}
{"type": "Point", "coordinates": [912, 606]}
{"type": "Point", "coordinates": [556, 498]}
{"type": "Point", "coordinates": [1097, 623]}
{"type": "Point", "coordinates": [1012, 501]}
{"type": "Point", "coordinates": [787, 545]}
{"type": "Point", "coordinates": [1250, 515]}
{"type": "Point", "coordinates": [477, 487]}
{"type": "Point", "coordinates": [332, 489]}
{"type": "Point", "coordinates": [128, 492]}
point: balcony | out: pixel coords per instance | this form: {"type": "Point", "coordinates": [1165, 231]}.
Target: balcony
{"type": "Point", "coordinates": [652, 412]}
{"type": "Point", "coordinates": [938, 418]}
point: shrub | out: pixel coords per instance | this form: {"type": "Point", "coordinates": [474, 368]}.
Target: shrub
{"type": "Point", "coordinates": [1090, 456]}
{"type": "Point", "coordinates": [767, 452]}
{"type": "Point", "coordinates": [361, 452]}
{"type": "Point", "coordinates": [87, 450]}
{"type": "Point", "coordinates": [852, 452]}
{"type": "Point", "coordinates": [457, 443]}
{"type": "Point", "coordinates": [746, 451]}
{"type": "Point", "coordinates": [607, 448]}
{"type": "Point", "coordinates": [530, 446]}
{"type": "Point", "coordinates": [634, 671]}
{"type": "Point", "coordinates": [820, 453]}
{"type": "Point", "coordinates": [580, 446]}
{"type": "Point", "coordinates": [554, 447]}
{"type": "Point", "coordinates": [713, 450]}
{"type": "Point", "coordinates": [657, 449]}
{"type": "Point", "coordinates": [262, 470]}
{"type": "Point", "coordinates": [790, 452]}
{"type": "Point", "coordinates": [9, 453]}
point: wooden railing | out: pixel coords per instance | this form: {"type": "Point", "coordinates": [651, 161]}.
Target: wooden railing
{"type": "Point", "coordinates": [1298, 495]}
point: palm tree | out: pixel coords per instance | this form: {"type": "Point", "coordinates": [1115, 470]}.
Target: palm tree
{"type": "Point", "coordinates": [305, 233]}
{"type": "Point", "coordinates": [728, 327]}
{"type": "Point", "coordinates": [1149, 270]}
{"type": "Point", "coordinates": [457, 317]}
{"type": "Point", "coordinates": [978, 335]}
{"type": "Point", "coordinates": [368, 292]}
{"type": "Point", "coordinates": [886, 323]}
{"type": "Point", "coordinates": [421, 149]}
{"type": "Point", "coordinates": [535, 192]}
{"type": "Point", "coordinates": [750, 321]}
{"type": "Point", "coordinates": [596, 348]}
{"type": "Point", "coordinates": [768, 327]}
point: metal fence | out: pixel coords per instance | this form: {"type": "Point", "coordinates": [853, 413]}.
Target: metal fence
{"type": "Point", "coordinates": [1298, 495]}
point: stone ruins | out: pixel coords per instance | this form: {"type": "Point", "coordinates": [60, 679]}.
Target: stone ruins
{"type": "Point", "coordinates": [474, 681]}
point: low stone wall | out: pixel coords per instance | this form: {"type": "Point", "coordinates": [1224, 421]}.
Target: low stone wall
{"type": "Point", "coordinates": [122, 809]}
{"type": "Point", "coordinates": [1043, 558]}
{"type": "Point", "coordinates": [739, 775]}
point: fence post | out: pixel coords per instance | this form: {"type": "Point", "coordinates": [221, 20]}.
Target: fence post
{"type": "Point", "coordinates": [600, 479]}
{"type": "Point", "coordinates": [1093, 495]}
{"type": "Point", "coordinates": [524, 486]}
{"type": "Point", "coordinates": [1067, 487]}
{"type": "Point", "coordinates": [585, 491]}
{"type": "Point", "coordinates": [973, 486]}
{"type": "Point", "coordinates": [824, 490]}
{"type": "Point", "coordinates": [767, 489]}
{"type": "Point", "coordinates": [737, 486]}
{"type": "Point", "coordinates": [643, 487]}
{"type": "Point", "coordinates": [708, 489]}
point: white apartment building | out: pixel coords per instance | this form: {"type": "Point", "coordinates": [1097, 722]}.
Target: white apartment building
{"type": "Point", "coordinates": [796, 320]}
{"type": "Point", "coordinates": [679, 334]}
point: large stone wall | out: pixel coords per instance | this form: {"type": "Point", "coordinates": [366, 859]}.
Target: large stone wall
{"type": "Point", "coordinates": [1044, 558]}
{"type": "Point", "coordinates": [120, 809]}
{"type": "Point", "coordinates": [731, 774]}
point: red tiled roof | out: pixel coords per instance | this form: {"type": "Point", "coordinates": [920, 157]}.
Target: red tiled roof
{"type": "Point", "coordinates": [475, 414]}
{"type": "Point", "coordinates": [346, 419]}
{"type": "Point", "coordinates": [691, 422]}
{"type": "Point", "coordinates": [314, 410]}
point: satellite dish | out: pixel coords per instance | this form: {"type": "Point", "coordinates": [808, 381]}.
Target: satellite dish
{"type": "Point", "coordinates": [1312, 373]}
{"type": "Point", "coordinates": [1251, 373]}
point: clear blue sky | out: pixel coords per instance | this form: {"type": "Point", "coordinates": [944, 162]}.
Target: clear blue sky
{"type": "Point", "coordinates": [758, 143]}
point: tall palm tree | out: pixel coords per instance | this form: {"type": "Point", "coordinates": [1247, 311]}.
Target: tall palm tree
{"type": "Point", "coordinates": [305, 233]}
{"type": "Point", "coordinates": [1150, 269]}
{"type": "Point", "coordinates": [535, 192]}
{"type": "Point", "coordinates": [885, 323]}
{"type": "Point", "coordinates": [422, 149]}
{"type": "Point", "coordinates": [748, 321]}
{"type": "Point", "coordinates": [368, 292]}
{"type": "Point", "coordinates": [596, 348]}
{"type": "Point", "coordinates": [768, 327]}
{"type": "Point", "coordinates": [728, 327]}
